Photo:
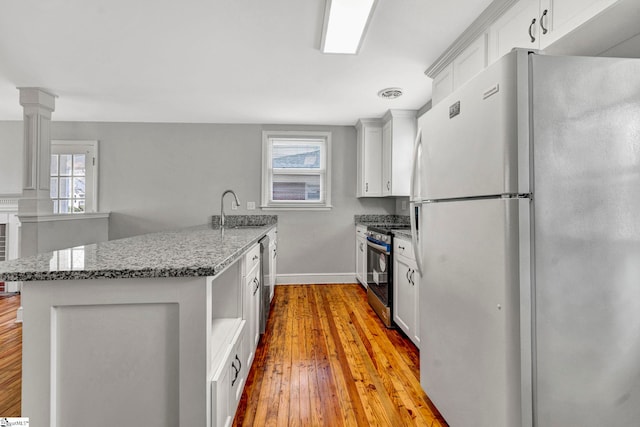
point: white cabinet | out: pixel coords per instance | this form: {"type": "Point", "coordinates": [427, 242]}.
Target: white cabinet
{"type": "Point", "coordinates": [273, 261]}
{"type": "Point", "coordinates": [398, 136]}
{"type": "Point", "coordinates": [228, 381]}
{"type": "Point", "coordinates": [537, 24]}
{"type": "Point", "coordinates": [361, 254]}
{"type": "Point", "coordinates": [466, 65]}
{"type": "Point", "coordinates": [406, 290]}
{"type": "Point", "coordinates": [252, 291]}
{"type": "Point", "coordinates": [369, 158]}
{"type": "Point", "coordinates": [442, 84]}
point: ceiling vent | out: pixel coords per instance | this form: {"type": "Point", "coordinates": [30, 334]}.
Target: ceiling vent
{"type": "Point", "coordinates": [390, 93]}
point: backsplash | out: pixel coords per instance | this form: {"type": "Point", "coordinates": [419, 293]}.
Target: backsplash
{"type": "Point", "coordinates": [244, 220]}
{"type": "Point", "coordinates": [381, 219]}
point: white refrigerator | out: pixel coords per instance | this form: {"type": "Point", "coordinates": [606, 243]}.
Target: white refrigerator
{"type": "Point", "coordinates": [527, 184]}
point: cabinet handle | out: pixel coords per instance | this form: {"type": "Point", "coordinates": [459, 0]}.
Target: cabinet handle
{"type": "Point", "coordinates": [544, 14]}
{"type": "Point", "coordinates": [361, 247]}
{"type": "Point", "coordinates": [408, 278]}
{"type": "Point", "coordinates": [401, 247]}
{"type": "Point", "coordinates": [412, 273]}
{"type": "Point", "coordinates": [237, 371]}
{"type": "Point", "coordinates": [239, 363]}
{"type": "Point", "coordinates": [388, 185]}
{"type": "Point", "coordinates": [257, 282]}
{"type": "Point", "coordinates": [533, 22]}
{"type": "Point", "coordinates": [366, 187]}
{"type": "Point", "coordinates": [255, 257]}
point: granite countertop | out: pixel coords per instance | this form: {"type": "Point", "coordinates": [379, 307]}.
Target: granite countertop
{"type": "Point", "coordinates": [403, 233]}
{"type": "Point", "coordinates": [196, 251]}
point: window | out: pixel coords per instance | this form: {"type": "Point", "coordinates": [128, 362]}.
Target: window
{"type": "Point", "coordinates": [74, 176]}
{"type": "Point", "coordinates": [296, 173]}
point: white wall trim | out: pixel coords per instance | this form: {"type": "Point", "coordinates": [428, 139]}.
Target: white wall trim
{"type": "Point", "coordinates": [315, 278]}
{"type": "Point", "coordinates": [63, 217]}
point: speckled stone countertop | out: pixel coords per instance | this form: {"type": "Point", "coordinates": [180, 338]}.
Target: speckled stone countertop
{"type": "Point", "coordinates": [196, 251]}
{"type": "Point", "coordinates": [381, 220]}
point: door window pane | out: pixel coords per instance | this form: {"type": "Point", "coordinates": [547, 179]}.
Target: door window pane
{"type": "Point", "coordinates": [53, 188]}
{"type": "Point", "coordinates": [78, 164]}
{"type": "Point", "coordinates": [64, 205]}
{"type": "Point", "coordinates": [66, 161]}
{"type": "Point", "coordinates": [54, 165]}
{"type": "Point", "coordinates": [65, 188]}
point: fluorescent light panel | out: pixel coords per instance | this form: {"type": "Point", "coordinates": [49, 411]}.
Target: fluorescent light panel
{"type": "Point", "coordinates": [345, 22]}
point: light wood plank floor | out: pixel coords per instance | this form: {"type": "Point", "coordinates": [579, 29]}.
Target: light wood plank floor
{"type": "Point", "coordinates": [327, 360]}
{"type": "Point", "coordinates": [10, 357]}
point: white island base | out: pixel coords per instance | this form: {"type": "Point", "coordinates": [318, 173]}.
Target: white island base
{"type": "Point", "coordinates": [134, 352]}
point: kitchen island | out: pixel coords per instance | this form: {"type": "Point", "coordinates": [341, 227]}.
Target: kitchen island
{"type": "Point", "coordinates": [147, 330]}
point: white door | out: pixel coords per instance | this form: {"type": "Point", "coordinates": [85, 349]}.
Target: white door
{"type": "Point", "coordinates": [403, 295]}
{"type": "Point", "coordinates": [469, 311]}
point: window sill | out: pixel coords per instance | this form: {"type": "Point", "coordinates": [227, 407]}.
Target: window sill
{"type": "Point", "coordinates": [297, 208]}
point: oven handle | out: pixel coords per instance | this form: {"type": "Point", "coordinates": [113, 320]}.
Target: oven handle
{"type": "Point", "coordinates": [378, 248]}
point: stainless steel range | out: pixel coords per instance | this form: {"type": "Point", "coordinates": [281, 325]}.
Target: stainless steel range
{"type": "Point", "coordinates": [380, 270]}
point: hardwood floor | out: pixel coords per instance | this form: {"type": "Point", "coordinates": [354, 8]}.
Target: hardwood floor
{"type": "Point", "coordinates": [10, 357]}
{"type": "Point", "coordinates": [327, 360]}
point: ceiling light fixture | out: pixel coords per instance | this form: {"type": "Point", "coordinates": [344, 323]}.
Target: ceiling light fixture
{"type": "Point", "coordinates": [345, 22]}
{"type": "Point", "coordinates": [390, 93]}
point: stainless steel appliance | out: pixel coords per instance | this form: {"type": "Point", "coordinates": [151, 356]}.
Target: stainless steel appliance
{"type": "Point", "coordinates": [265, 256]}
{"type": "Point", "coordinates": [530, 239]}
{"type": "Point", "coordinates": [380, 270]}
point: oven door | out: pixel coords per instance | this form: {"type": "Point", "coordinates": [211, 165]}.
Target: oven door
{"type": "Point", "coordinates": [379, 270]}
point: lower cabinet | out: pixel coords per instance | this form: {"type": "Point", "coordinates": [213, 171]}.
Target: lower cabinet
{"type": "Point", "coordinates": [252, 310]}
{"type": "Point", "coordinates": [406, 290]}
{"type": "Point", "coordinates": [229, 380]}
{"type": "Point", "coordinates": [361, 254]}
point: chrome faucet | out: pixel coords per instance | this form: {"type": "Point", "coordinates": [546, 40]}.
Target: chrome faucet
{"type": "Point", "coordinates": [236, 201]}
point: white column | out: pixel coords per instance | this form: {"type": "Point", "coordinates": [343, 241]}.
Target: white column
{"type": "Point", "coordinates": [36, 200]}
{"type": "Point", "coordinates": [38, 105]}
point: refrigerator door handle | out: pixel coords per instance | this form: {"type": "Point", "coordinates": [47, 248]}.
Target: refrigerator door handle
{"type": "Point", "coordinates": [415, 241]}
{"type": "Point", "coordinates": [416, 147]}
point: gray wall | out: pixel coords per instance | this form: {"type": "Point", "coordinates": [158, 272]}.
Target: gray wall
{"type": "Point", "coordinates": [160, 176]}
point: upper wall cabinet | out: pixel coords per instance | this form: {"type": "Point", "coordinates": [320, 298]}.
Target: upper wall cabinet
{"type": "Point", "coordinates": [398, 135]}
{"type": "Point", "coordinates": [537, 24]}
{"type": "Point", "coordinates": [466, 65]}
{"type": "Point", "coordinates": [566, 27]}
{"type": "Point", "coordinates": [369, 158]}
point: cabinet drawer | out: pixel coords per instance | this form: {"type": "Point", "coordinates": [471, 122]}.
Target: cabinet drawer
{"type": "Point", "coordinates": [252, 259]}
{"type": "Point", "coordinates": [403, 247]}
{"type": "Point", "coordinates": [229, 380]}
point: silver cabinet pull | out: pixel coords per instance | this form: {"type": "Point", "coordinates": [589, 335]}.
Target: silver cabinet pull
{"type": "Point", "coordinates": [533, 22]}
{"type": "Point", "coordinates": [388, 185]}
{"type": "Point", "coordinates": [366, 187]}
{"type": "Point", "coordinates": [544, 29]}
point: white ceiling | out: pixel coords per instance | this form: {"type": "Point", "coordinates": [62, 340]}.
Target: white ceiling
{"type": "Point", "coordinates": [218, 61]}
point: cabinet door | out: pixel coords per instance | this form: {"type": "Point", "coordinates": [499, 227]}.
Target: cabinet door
{"type": "Point", "coordinates": [470, 62]}
{"type": "Point", "coordinates": [369, 162]}
{"type": "Point", "coordinates": [361, 247]}
{"type": "Point", "coordinates": [518, 27]}
{"type": "Point", "coordinates": [442, 85]}
{"type": "Point", "coordinates": [560, 17]}
{"type": "Point", "coordinates": [252, 312]}
{"type": "Point", "coordinates": [387, 157]}
{"type": "Point", "coordinates": [404, 296]}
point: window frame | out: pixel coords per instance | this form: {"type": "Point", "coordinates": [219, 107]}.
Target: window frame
{"type": "Point", "coordinates": [90, 148]}
{"type": "Point", "coordinates": [268, 138]}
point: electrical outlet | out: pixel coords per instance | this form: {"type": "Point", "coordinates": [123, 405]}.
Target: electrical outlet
{"type": "Point", "coordinates": [251, 206]}
{"type": "Point", "coordinates": [404, 205]}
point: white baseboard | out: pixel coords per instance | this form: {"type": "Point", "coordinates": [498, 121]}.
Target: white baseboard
{"type": "Point", "coordinates": [312, 278]}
